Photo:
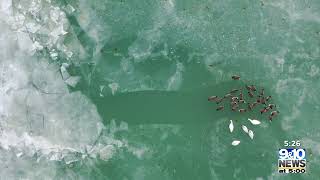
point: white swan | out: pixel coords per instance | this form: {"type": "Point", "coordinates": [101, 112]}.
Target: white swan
{"type": "Point", "coordinates": [250, 133]}
{"type": "Point", "coordinates": [245, 129]}
{"type": "Point", "coordinates": [235, 143]}
{"type": "Point", "coordinates": [254, 121]}
{"type": "Point", "coordinates": [231, 127]}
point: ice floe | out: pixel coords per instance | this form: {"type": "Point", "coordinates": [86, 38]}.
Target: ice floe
{"type": "Point", "coordinates": [40, 120]}
{"type": "Point", "coordinates": [72, 81]}
{"type": "Point", "coordinates": [114, 87]}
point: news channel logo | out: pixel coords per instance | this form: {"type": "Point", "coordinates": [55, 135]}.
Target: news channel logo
{"type": "Point", "coordinates": [292, 160]}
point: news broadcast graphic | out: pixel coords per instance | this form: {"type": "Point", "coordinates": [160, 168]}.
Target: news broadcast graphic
{"type": "Point", "coordinates": [292, 160]}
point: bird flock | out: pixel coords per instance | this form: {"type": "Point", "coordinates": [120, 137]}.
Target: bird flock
{"type": "Point", "coordinates": [245, 129]}
{"type": "Point", "coordinates": [243, 100]}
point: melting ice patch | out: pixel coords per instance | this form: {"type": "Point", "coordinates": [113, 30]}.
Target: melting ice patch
{"type": "Point", "coordinates": [40, 112]}
{"type": "Point", "coordinates": [39, 117]}
{"type": "Point", "coordinates": [175, 81]}
{"type": "Point", "coordinates": [295, 12]}
{"type": "Point", "coordinates": [114, 87]}
{"type": "Point", "coordinates": [40, 120]}
{"type": "Point", "coordinates": [288, 88]}
{"type": "Point", "coordinates": [45, 23]}
{"type": "Point", "coordinates": [314, 70]}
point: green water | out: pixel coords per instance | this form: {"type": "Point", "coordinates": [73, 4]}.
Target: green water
{"type": "Point", "coordinates": [271, 44]}
{"type": "Point", "coordinates": [158, 56]}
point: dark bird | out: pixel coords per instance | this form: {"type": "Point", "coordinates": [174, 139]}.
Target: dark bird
{"type": "Point", "coordinates": [234, 103]}
{"type": "Point", "coordinates": [264, 110]}
{"type": "Point", "coordinates": [268, 108]}
{"type": "Point", "coordinates": [219, 100]}
{"type": "Point", "coordinates": [234, 90]}
{"type": "Point", "coordinates": [220, 108]}
{"type": "Point", "coordinates": [253, 88]}
{"type": "Point", "coordinates": [234, 107]}
{"type": "Point", "coordinates": [234, 98]}
{"type": "Point", "coordinates": [271, 106]}
{"type": "Point", "coordinates": [274, 113]}
{"type": "Point", "coordinates": [263, 100]}
{"type": "Point", "coordinates": [241, 96]}
{"type": "Point", "coordinates": [242, 101]}
{"type": "Point", "coordinates": [213, 98]}
{"type": "Point", "coordinates": [227, 95]}
{"type": "Point", "coordinates": [242, 110]}
{"type": "Point", "coordinates": [235, 77]}
{"type": "Point", "coordinates": [268, 98]}
{"type": "Point", "coordinates": [254, 104]}
{"type": "Point", "coordinates": [250, 94]}
{"type": "Point", "coordinates": [262, 92]}
{"type": "Point", "coordinates": [248, 88]}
